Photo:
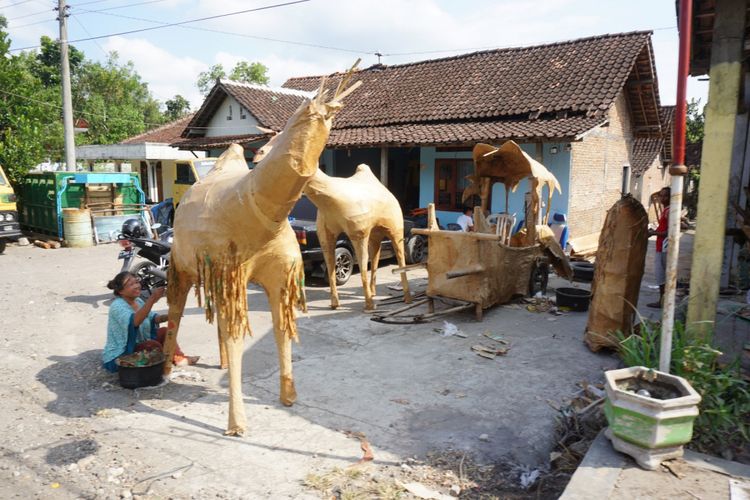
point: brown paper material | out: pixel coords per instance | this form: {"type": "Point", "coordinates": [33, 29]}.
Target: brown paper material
{"type": "Point", "coordinates": [231, 227]}
{"type": "Point", "coordinates": [617, 278]}
{"type": "Point", "coordinates": [367, 212]}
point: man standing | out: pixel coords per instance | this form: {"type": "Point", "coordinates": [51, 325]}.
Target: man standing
{"type": "Point", "coordinates": [660, 263]}
{"type": "Point", "coordinates": [465, 220]}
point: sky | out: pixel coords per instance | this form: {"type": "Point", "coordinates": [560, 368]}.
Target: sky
{"type": "Point", "coordinates": [317, 37]}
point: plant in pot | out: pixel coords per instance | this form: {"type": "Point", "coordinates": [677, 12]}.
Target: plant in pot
{"type": "Point", "coordinates": [650, 414]}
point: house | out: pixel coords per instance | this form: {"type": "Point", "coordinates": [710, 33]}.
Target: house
{"type": "Point", "coordinates": [582, 108]}
{"type": "Point", "coordinates": [148, 153]}
{"type": "Point", "coordinates": [650, 157]}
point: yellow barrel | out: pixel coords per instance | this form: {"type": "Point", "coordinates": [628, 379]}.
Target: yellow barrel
{"type": "Point", "coordinates": [77, 228]}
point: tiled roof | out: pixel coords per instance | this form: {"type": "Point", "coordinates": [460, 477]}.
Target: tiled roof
{"type": "Point", "coordinates": [271, 106]}
{"type": "Point", "coordinates": [428, 133]}
{"type": "Point", "coordinates": [554, 91]}
{"type": "Point", "coordinates": [165, 134]}
{"type": "Point", "coordinates": [583, 75]}
{"type": "Point", "coordinates": [646, 149]}
{"type": "Point", "coordinates": [218, 142]}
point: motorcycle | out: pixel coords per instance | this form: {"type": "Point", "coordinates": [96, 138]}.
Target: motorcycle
{"type": "Point", "coordinates": [135, 241]}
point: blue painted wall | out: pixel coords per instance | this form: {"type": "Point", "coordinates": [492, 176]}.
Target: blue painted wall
{"type": "Point", "coordinates": [558, 164]}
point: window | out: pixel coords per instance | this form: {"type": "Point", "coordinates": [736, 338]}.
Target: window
{"type": "Point", "coordinates": [229, 116]}
{"type": "Point", "coordinates": [184, 174]}
{"type": "Point", "coordinates": [243, 115]}
{"type": "Point", "coordinates": [450, 182]}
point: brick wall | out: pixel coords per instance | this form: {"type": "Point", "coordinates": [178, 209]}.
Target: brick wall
{"type": "Point", "coordinates": [596, 170]}
{"type": "Point", "coordinates": [652, 180]}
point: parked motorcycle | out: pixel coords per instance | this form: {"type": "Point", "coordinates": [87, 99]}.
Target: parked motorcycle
{"type": "Point", "coordinates": [135, 241]}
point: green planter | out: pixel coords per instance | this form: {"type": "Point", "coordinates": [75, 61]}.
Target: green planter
{"type": "Point", "coordinates": [650, 427]}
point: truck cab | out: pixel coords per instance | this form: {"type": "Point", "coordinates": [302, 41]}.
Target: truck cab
{"type": "Point", "coordinates": [187, 172]}
{"type": "Point", "coordinates": [9, 226]}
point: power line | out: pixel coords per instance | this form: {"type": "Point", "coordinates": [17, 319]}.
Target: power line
{"type": "Point", "coordinates": [14, 4]}
{"type": "Point", "coordinates": [207, 18]}
{"type": "Point", "coordinates": [211, 30]}
{"type": "Point", "coordinates": [31, 15]}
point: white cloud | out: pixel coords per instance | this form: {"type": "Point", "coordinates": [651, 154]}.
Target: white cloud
{"type": "Point", "coordinates": [165, 73]}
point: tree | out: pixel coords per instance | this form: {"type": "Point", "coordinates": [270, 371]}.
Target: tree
{"type": "Point", "coordinates": [47, 68]}
{"type": "Point", "coordinates": [242, 72]}
{"type": "Point", "coordinates": [696, 119]}
{"type": "Point", "coordinates": [177, 107]}
{"type": "Point", "coordinates": [115, 102]}
{"type": "Point", "coordinates": [24, 112]}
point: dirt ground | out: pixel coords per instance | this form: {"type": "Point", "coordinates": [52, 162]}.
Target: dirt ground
{"type": "Point", "coordinates": [432, 412]}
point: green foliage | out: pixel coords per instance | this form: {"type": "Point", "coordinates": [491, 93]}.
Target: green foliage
{"type": "Point", "coordinates": [110, 96]}
{"type": "Point", "coordinates": [696, 119]}
{"type": "Point", "coordinates": [242, 72]}
{"type": "Point", "coordinates": [724, 420]}
{"type": "Point", "coordinates": [177, 107]}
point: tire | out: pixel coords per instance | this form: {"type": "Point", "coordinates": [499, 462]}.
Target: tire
{"type": "Point", "coordinates": [583, 271]}
{"type": "Point", "coordinates": [344, 265]}
{"type": "Point", "coordinates": [416, 249]}
{"type": "Point", "coordinates": [539, 278]}
{"type": "Point", "coordinates": [141, 271]}
{"type": "Point", "coordinates": [2, 246]}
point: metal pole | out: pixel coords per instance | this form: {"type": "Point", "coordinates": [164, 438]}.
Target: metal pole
{"type": "Point", "coordinates": [625, 179]}
{"type": "Point", "coordinates": [677, 171]}
{"type": "Point", "coordinates": [70, 144]}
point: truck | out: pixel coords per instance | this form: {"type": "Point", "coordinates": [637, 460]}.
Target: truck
{"type": "Point", "coordinates": [187, 172]}
{"type": "Point", "coordinates": [9, 226]}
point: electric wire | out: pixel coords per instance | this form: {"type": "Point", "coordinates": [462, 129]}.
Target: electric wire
{"type": "Point", "coordinates": [14, 4]}
{"type": "Point", "coordinates": [243, 35]}
{"type": "Point", "coordinates": [151, 28]}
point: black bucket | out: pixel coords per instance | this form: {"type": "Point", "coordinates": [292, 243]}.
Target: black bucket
{"type": "Point", "coordinates": [132, 377]}
{"type": "Point", "coordinates": [573, 298]}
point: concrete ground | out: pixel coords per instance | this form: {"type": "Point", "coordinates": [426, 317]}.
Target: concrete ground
{"type": "Point", "coordinates": [605, 474]}
{"type": "Point", "coordinates": [70, 431]}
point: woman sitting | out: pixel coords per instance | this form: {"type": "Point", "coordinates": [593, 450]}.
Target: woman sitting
{"type": "Point", "coordinates": [132, 326]}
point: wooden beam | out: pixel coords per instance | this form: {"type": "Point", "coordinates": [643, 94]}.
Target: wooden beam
{"type": "Point", "coordinates": [721, 111]}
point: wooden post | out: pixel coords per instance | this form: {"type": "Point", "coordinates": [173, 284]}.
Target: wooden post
{"type": "Point", "coordinates": [384, 166]}
{"type": "Point", "coordinates": [721, 110]}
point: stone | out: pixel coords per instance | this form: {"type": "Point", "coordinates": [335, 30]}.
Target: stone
{"type": "Point", "coordinates": [484, 437]}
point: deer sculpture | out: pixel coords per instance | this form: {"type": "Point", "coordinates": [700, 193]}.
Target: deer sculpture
{"type": "Point", "coordinates": [231, 228]}
{"type": "Point", "coordinates": [366, 211]}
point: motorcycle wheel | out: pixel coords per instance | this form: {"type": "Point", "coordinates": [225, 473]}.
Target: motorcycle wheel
{"type": "Point", "coordinates": [142, 271]}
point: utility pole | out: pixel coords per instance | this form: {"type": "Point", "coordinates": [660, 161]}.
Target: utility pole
{"type": "Point", "coordinates": [70, 144]}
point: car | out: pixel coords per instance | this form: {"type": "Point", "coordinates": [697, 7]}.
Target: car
{"type": "Point", "coordinates": [302, 219]}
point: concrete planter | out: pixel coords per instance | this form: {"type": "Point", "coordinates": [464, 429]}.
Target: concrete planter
{"type": "Point", "coordinates": [652, 426]}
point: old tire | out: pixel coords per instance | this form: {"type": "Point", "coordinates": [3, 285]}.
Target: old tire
{"type": "Point", "coordinates": [416, 249]}
{"type": "Point", "coordinates": [583, 271]}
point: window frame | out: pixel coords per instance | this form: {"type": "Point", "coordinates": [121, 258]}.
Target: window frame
{"type": "Point", "coordinates": [455, 192]}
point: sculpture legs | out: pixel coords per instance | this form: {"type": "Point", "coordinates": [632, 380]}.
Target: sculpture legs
{"type": "Point", "coordinates": [374, 263]}
{"type": "Point", "coordinates": [287, 392]}
{"type": "Point", "coordinates": [398, 246]}
{"type": "Point", "coordinates": [177, 293]}
{"type": "Point", "coordinates": [234, 347]}
{"type": "Point", "coordinates": [360, 248]}
{"type": "Point", "coordinates": [328, 245]}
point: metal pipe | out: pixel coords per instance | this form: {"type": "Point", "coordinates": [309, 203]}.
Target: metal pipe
{"type": "Point", "coordinates": [625, 180]}
{"type": "Point", "coordinates": [678, 170]}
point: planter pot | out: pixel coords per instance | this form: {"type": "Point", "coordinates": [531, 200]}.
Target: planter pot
{"type": "Point", "coordinates": [650, 414]}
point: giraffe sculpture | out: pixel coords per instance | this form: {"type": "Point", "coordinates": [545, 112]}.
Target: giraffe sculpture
{"type": "Point", "coordinates": [361, 207]}
{"type": "Point", "coordinates": [232, 228]}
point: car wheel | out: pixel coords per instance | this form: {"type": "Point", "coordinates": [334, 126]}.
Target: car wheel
{"type": "Point", "coordinates": [344, 265]}
{"type": "Point", "coordinates": [416, 249]}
